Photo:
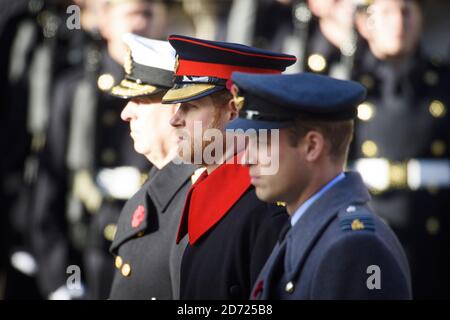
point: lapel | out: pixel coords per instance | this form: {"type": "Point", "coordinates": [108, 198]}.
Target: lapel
{"type": "Point", "coordinates": [293, 250]}
{"type": "Point", "coordinates": [262, 286]}
{"type": "Point", "coordinates": [134, 215]}
{"type": "Point", "coordinates": [302, 237]}
{"type": "Point", "coordinates": [165, 184]}
{"type": "Point", "coordinates": [211, 198]}
{"type": "Point", "coordinates": [154, 196]}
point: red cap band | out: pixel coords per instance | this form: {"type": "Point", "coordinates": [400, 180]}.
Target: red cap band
{"type": "Point", "coordinates": [222, 71]}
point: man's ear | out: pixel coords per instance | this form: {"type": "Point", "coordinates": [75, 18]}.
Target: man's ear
{"type": "Point", "coordinates": [314, 145]}
{"type": "Point", "coordinates": [233, 111]}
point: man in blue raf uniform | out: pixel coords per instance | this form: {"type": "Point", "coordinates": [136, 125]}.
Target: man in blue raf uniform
{"type": "Point", "coordinates": [337, 248]}
{"type": "Point", "coordinates": [147, 259]}
{"type": "Point", "coordinates": [231, 233]}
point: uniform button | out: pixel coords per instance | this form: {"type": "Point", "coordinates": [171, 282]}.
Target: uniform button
{"type": "Point", "coordinates": [108, 156]}
{"type": "Point", "coordinates": [431, 78]}
{"type": "Point", "coordinates": [110, 231]}
{"type": "Point", "coordinates": [437, 109]}
{"type": "Point", "coordinates": [317, 62]}
{"type": "Point", "coordinates": [118, 262]}
{"type": "Point", "coordinates": [126, 270]}
{"type": "Point", "coordinates": [351, 209]}
{"type": "Point", "coordinates": [369, 148]}
{"type": "Point", "coordinates": [366, 111]}
{"type": "Point", "coordinates": [153, 298]}
{"type": "Point", "coordinates": [105, 82]}
{"type": "Point", "coordinates": [290, 287]}
{"type": "Point", "coordinates": [109, 118]}
{"type": "Point", "coordinates": [433, 226]}
{"type": "Point", "coordinates": [140, 234]}
{"type": "Point", "coordinates": [438, 148]}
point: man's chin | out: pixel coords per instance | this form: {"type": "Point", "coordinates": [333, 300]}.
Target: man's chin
{"type": "Point", "coordinates": [186, 157]}
{"type": "Point", "coordinates": [263, 194]}
{"type": "Point", "coordinates": [139, 149]}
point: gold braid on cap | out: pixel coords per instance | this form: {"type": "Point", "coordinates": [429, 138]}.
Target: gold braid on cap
{"type": "Point", "coordinates": [128, 64]}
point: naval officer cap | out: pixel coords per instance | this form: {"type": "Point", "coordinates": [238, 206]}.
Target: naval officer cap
{"type": "Point", "coordinates": [204, 67]}
{"type": "Point", "coordinates": [274, 101]}
{"type": "Point", "coordinates": [148, 67]}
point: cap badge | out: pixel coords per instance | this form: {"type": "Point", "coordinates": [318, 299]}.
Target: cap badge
{"type": "Point", "coordinates": [128, 65]}
{"type": "Point", "coordinates": [238, 100]}
{"type": "Point", "coordinates": [177, 64]}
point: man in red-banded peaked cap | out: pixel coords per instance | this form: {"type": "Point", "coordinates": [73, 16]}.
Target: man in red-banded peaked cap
{"type": "Point", "coordinates": [231, 233]}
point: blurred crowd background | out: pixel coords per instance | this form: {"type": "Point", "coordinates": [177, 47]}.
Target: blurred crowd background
{"type": "Point", "coordinates": [68, 164]}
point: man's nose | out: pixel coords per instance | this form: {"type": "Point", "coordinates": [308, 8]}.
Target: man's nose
{"type": "Point", "coordinates": [177, 119]}
{"type": "Point", "coordinates": [128, 112]}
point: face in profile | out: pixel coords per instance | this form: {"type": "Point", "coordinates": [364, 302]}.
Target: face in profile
{"type": "Point", "coordinates": [147, 19]}
{"type": "Point", "coordinates": [149, 123]}
{"type": "Point", "coordinates": [283, 184]}
{"type": "Point", "coordinates": [392, 28]}
{"type": "Point", "coordinates": [192, 122]}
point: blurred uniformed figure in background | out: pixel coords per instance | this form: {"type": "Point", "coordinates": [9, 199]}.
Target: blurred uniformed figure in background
{"type": "Point", "coordinates": [88, 166]}
{"type": "Point", "coordinates": [401, 144]}
{"type": "Point", "coordinates": [209, 17]}
{"type": "Point", "coordinates": [320, 32]}
{"type": "Point", "coordinates": [10, 15]}
{"type": "Point", "coordinates": [36, 48]}
{"type": "Point", "coordinates": [331, 43]}
{"type": "Point", "coordinates": [146, 256]}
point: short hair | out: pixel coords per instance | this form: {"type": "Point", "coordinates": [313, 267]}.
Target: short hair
{"type": "Point", "coordinates": [338, 134]}
{"type": "Point", "coordinates": [154, 98]}
{"type": "Point", "coordinates": [221, 97]}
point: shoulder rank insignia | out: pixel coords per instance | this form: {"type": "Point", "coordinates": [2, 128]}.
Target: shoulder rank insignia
{"type": "Point", "coordinates": [355, 219]}
{"type": "Point", "coordinates": [281, 204]}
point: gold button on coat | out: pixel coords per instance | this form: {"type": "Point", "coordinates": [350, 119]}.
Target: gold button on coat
{"type": "Point", "coordinates": [126, 270]}
{"type": "Point", "coordinates": [118, 262]}
{"type": "Point", "coordinates": [290, 287]}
